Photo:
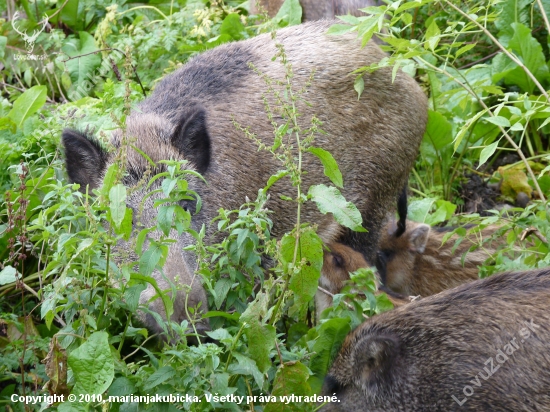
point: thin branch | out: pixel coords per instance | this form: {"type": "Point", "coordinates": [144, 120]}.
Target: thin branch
{"type": "Point", "coordinates": [544, 16]}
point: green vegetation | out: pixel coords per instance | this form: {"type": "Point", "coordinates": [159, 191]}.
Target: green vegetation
{"type": "Point", "coordinates": [63, 299]}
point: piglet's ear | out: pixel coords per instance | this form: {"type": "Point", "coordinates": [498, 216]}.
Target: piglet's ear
{"type": "Point", "coordinates": [419, 238]}
{"type": "Point", "coordinates": [191, 139]}
{"type": "Point", "coordinates": [85, 159]}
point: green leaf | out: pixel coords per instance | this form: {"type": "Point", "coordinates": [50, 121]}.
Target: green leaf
{"type": "Point", "coordinates": [499, 121]}
{"type": "Point", "coordinates": [223, 286]}
{"type": "Point", "coordinates": [159, 376]}
{"type": "Point", "coordinates": [331, 335]}
{"type": "Point", "coordinates": [69, 15]}
{"type": "Point", "coordinates": [28, 104]}
{"type": "Point", "coordinates": [232, 26]}
{"type": "Point", "coordinates": [117, 196]}
{"type": "Point", "coordinates": [261, 339]}
{"type": "Point", "coordinates": [418, 209]}
{"type": "Point", "coordinates": [310, 257]}
{"type": "Point", "coordinates": [165, 217]}
{"type": "Point", "coordinates": [339, 29]}
{"type": "Point", "coordinates": [330, 200]}
{"type": "Point", "coordinates": [432, 36]}
{"type": "Point", "coordinates": [8, 275]}
{"type": "Point", "coordinates": [3, 42]}
{"type": "Point", "coordinates": [487, 152]}
{"type": "Point", "coordinates": [359, 86]}
{"type": "Point", "coordinates": [80, 67]}
{"type": "Point", "coordinates": [331, 169]}
{"type": "Point", "coordinates": [291, 12]}
{"type": "Point", "coordinates": [246, 366]}
{"type": "Point", "coordinates": [150, 259]}
{"type": "Point", "coordinates": [510, 12]}
{"type": "Point", "coordinates": [524, 45]}
{"type": "Point", "coordinates": [92, 365]}
{"type": "Point", "coordinates": [291, 379]}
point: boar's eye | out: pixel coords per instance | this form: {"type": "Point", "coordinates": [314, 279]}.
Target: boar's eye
{"type": "Point", "coordinates": [337, 260]}
{"type": "Point", "coordinates": [387, 254]}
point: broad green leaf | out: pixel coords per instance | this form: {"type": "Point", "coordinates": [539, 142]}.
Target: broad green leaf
{"type": "Point", "coordinates": [223, 286]}
{"type": "Point", "coordinates": [487, 152]}
{"type": "Point", "coordinates": [69, 15]}
{"type": "Point", "coordinates": [291, 12]}
{"type": "Point", "coordinates": [330, 166]}
{"type": "Point", "coordinates": [117, 196]}
{"type": "Point", "coordinates": [310, 257]}
{"type": "Point", "coordinates": [331, 335]}
{"type": "Point", "coordinates": [510, 12]}
{"type": "Point", "coordinates": [438, 136]}
{"type": "Point", "coordinates": [165, 217]}
{"type": "Point", "coordinates": [159, 376]}
{"type": "Point", "coordinates": [418, 209]}
{"type": "Point", "coordinates": [232, 26]}
{"type": "Point", "coordinates": [28, 104]}
{"type": "Point", "coordinates": [261, 339]}
{"type": "Point", "coordinates": [330, 200]}
{"type": "Point", "coordinates": [80, 67]}
{"type": "Point", "coordinates": [93, 365]}
{"type": "Point", "coordinates": [291, 379]}
{"type": "Point", "coordinates": [8, 275]}
{"type": "Point", "coordinates": [524, 45]}
{"type": "Point", "coordinates": [246, 366]}
{"type": "Point", "coordinates": [150, 259]}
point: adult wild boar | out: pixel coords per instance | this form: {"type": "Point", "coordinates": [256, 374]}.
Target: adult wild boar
{"type": "Point", "coordinates": [482, 346]}
{"type": "Point", "coordinates": [190, 116]}
{"type": "Point", "coordinates": [315, 9]}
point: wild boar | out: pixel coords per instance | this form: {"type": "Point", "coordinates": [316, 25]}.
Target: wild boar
{"type": "Point", "coordinates": [482, 346]}
{"type": "Point", "coordinates": [315, 9]}
{"type": "Point", "coordinates": [417, 263]}
{"type": "Point", "coordinates": [190, 115]}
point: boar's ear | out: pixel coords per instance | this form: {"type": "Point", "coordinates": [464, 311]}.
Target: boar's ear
{"type": "Point", "coordinates": [419, 238]}
{"type": "Point", "coordinates": [192, 140]}
{"type": "Point", "coordinates": [85, 159]}
{"type": "Point", "coordinates": [374, 358]}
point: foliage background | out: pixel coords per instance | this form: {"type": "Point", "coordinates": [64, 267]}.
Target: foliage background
{"type": "Point", "coordinates": [485, 67]}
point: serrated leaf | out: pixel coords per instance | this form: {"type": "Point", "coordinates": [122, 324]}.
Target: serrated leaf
{"type": "Point", "coordinates": [291, 379]}
{"type": "Point", "coordinates": [28, 104]}
{"type": "Point", "coordinates": [310, 256]}
{"type": "Point", "coordinates": [246, 366]}
{"type": "Point", "coordinates": [159, 376]}
{"type": "Point", "coordinates": [330, 166]}
{"type": "Point", "coordinates": [330, 200]}
{"type": "Point", "coordinates": [150, 259]}
{"type": "Point", "coordinates": [261, 339]}
{"type": "Point", "coordinates": [92, 365]}
{"type": "Point", "coordinates": [165, 217]}
{"type": "Point", "coordinates": [223, 286]}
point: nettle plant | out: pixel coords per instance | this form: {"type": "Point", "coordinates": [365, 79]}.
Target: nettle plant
{"type": "Point", "coordinates": [85, 288]}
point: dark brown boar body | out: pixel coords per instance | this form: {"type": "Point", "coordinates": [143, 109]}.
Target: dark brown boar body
{"type": "Point", "coordinates": [190, 116]}
{"type": "Point", "coordinates": [417, 263]}
{"type": "Point", "coordinates": [315, 9]}
{"type": "Point", "coordinates": [482, 346]}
